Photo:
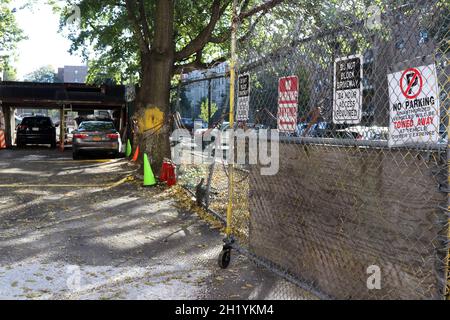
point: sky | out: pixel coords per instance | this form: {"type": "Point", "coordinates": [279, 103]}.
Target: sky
{"type": "Point", "coordinates": [45, 46]}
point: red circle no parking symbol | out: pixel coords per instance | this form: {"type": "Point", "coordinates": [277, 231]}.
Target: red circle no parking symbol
{"type": "Point", "coordinates": [411, 83]}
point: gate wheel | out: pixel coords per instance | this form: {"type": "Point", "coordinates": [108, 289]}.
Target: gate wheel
{"type": "Point", "coordinates": [225, 258]}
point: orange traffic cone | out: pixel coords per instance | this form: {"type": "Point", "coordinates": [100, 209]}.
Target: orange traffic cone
{"type": "Point", "coordinates": [2, 140]}
{"type": "Point", "coordinates": [136, 154]}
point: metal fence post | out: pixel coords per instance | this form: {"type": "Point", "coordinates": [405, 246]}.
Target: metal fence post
{"type": "Point", "coordinates": [447, 259]}
{"type": "Point", "coordinates": [225, 256]}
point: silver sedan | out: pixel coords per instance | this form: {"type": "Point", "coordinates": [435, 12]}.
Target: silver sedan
{"type": "Point", "coordinates": [95, 136]}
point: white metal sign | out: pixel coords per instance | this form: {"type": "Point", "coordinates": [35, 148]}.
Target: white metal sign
{"type": "Point", "coordinates": [414, 106]}
{"type": "Point", "coordinates": [287, 104]}
{"type": "Point", "coordinates": [243, 97]}
{"type": "Point", "coordinates": [348, 90]}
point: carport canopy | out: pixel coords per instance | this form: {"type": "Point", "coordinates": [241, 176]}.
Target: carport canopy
{"type": "Point", "coordinates": [55, 95]}
{"type": "Point", "coordinates": [77, 97]}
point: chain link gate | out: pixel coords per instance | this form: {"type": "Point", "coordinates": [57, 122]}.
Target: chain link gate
{"type": "Point", "coordinates": [200, 171]}
{"type": "Point", "coordinates": [362, 186]}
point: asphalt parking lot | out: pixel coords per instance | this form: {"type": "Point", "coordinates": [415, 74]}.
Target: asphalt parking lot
{"type": "Point", "coordinates": [82, 230]}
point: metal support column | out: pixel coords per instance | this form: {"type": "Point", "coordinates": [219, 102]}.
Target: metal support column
{"type": "Point", "coordinates": [62, 132]}
{"type": "Point", "coordinates": [8, 127]}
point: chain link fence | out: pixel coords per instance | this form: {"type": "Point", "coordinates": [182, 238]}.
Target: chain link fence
{"type": "Point", "coordinates": [201, 107]}
{"type": "Point", "coordinates": [358, 94]}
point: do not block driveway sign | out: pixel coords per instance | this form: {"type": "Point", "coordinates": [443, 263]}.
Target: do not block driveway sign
{"type": "Point", "coordinates": [414, 106]}
{"type": "Point", "coordinates": [348, 90]}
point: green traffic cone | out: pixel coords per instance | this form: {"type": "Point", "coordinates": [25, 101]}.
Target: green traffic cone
{"type": "Point", "coordinates": [128, 151]}
{"type": "Point", "coordinates": [149, 177]}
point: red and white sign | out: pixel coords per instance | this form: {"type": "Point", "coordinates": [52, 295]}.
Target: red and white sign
{"type": "Point", "coordinates": [287, 104]}
{"type": "Point", "coordinates": [414, 106]}
{"type": "Point", "coordinates": [411, 83]}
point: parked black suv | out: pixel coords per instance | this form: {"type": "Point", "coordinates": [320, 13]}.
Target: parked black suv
{"type": "Point", "coordinates": [36, 130]}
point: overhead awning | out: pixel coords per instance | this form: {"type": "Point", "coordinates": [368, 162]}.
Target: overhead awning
{"type": "Point", "coordinates": [55, 95]}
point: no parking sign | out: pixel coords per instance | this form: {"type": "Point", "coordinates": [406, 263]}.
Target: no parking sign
{"type": "Point", "coordinates": [287, 104]}
{"type": "Point", "coordinates": [414, 106]}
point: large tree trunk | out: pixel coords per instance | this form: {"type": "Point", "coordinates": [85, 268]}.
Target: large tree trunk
{"type": "Point", "coordinates": [153, 110]}
{"type": "Point", "coordinates": [153, 102]}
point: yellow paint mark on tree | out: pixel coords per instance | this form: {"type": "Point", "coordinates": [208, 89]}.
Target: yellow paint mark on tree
{"type": "Point", "coordinates": [152, 120]}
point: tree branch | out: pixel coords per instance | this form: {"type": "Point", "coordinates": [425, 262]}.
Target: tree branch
{"type": "Point", "coordinates": [197, 64]}
{"type": "Point", "coordinates": [251, 28]}
{"type": "Point", "coordinates": [163, 25]}
{"type": "Point", "coordinates": [205, 35]}
{"type": "Point", "coordinates": [220, 39]}
{"type": "Point", "coordinates": [144, 21]}
{"type": "Point", "coordinates": [224, 37]}
{"type": "Point", "coordinates": [264, 7]}
{"type": "Point", "coordinates": [245, 4]}
{"type": "Point", "coordinates": [143, 44]}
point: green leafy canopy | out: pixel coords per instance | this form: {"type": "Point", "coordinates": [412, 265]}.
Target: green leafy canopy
{"type": "Point", "coordinates": [107, 35]}
{"type": "Point", "coordinates": [45, 74]}
{"type": "Point", "coordinates": [10, 35]}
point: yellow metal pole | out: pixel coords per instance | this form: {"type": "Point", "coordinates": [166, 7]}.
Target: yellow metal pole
{"type": "Point", "coordinates": [447, 258]}
{"type": "Point", "coordinates": [232, 95]}
{"type": "Point", "coordinates": [447, 267]}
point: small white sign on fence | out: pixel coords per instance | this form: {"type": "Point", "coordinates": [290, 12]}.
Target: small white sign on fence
{"type": "Point", "coordinates": [243, 98]}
